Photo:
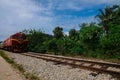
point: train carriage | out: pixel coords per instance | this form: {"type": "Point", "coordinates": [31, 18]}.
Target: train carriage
{"type": "Point", "coordinates": [16, 43]}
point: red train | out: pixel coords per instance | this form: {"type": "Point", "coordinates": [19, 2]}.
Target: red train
{"type": "Point", "coordinates": [16, 43]}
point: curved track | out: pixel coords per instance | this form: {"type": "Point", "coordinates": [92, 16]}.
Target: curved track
{"type": "Point", "coordinates": [99, 67]}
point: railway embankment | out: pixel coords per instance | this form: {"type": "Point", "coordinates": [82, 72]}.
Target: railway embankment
{"type": "Point", "coordinates": [50, 71]}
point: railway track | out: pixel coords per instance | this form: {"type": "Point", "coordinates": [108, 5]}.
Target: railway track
{"type": "Point", "coordinates": [99, 67]}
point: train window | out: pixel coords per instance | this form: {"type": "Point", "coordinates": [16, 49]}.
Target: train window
{"type": "Point", "coordinates": [15, 37]}
{"type": "Point", "coordinates": [19, 37]}
{"type": "Point", "coordinates": [23, 37]}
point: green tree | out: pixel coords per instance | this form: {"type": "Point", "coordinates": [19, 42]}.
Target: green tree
{"type": "Point", "coordinates": [111, 44]}
{"type": "Point", "coordinates": [116, 17]}
{"type": "Point", "coordinates": [36, 39]}
{"type": "Point", "coordinates": [105, 17]}
{"type": "Point", "coordinates": [52, 45]}
{"type": "Point", "coordinates": [72, 33]}
{"type": "Point", "coordinates": [89, 36]}
{"type": "Point", "coordinates": [58, 32]}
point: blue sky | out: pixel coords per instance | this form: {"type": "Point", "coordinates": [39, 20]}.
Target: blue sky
{"type": "Point", "coordinates": [17, 15]}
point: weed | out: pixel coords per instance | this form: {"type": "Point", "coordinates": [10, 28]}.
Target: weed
{"type": "Point", "coordinates": [19, 67]}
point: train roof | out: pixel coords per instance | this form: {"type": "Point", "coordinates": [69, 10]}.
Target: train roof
{"type": "Point", "coordinates": [19, 33]}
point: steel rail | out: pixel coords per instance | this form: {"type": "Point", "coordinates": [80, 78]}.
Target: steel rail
{"type": "Point", "coordinates": [56, 59]}
{"type": "Point", "coordinates": [81, 60]}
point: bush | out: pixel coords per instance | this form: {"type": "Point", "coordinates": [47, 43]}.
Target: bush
{"type": "Point", "coordinates": [111, 43]}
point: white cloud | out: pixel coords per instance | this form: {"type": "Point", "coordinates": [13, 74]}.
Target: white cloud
{"type": "Point", "coordinates": [16, 15]}
{"type": "Point", "coordinates": [103, 1]}
{"type": "Point", "coordinates": [78, 20]}
{"type": "Point", "coordinates": [79, 5]}
{"type": "Point", "coordinates": [64, 5]}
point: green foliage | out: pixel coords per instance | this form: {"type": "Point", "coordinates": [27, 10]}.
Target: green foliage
{"type": "Point", "coordinates": [58, 32]}
{"type": "Point", "coordinates": [106, 16]}
{"type": "Point", "coordinates": [72, 33]}
{"type": "Point", "coordinates": [100, 40]}
{"type": "Point", "coordinates": [52, 45]}
{"type": "Point", "coordinates": [116, 17]}
{"type": "Point", "coordinates": [68, 46]}
{"type": "Point", "coordinates": [36, 40]}
{"type": "Point", "coordinates": [111, 43]}
{"type": "Point", "coordinates": [89, 35]}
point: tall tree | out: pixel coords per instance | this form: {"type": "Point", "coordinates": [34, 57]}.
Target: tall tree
{"type": "Point", "coordinates": [105, 17]}
{"type": "Point", "coordinates": [72, 33]}
{"type": "Point", "coordinates": [116, 15]}
{"type": "Point", "coordinates": [58, 32]}
{"type": "Point", "coordinates": [89, 36]}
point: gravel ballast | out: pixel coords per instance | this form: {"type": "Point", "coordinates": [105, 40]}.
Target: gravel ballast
{"type": "Point", "coordinates": [51, 71]}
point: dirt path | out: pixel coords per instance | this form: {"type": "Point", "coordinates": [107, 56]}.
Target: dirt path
{"type": "Point", "coordinates": [7, 72]}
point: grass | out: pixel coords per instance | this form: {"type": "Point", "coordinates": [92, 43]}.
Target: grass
{"type": "Point", "coordinates": [31, 77]}
{"type": "Point", "coordinates": [19, 67]}
{"type": "Point", "coordinates": [92, 56]}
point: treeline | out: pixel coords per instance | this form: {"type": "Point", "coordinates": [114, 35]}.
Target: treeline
{"type": "Point", "coordinates": [100, 40]}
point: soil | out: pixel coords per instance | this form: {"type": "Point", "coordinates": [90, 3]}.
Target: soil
{"type": "Point", "coordinates": [7, 72]}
